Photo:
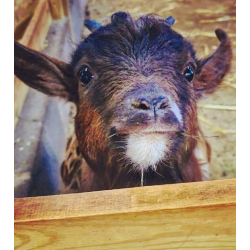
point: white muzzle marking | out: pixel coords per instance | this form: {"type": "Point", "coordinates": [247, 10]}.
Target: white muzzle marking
{"type": "Point", "coordinates": [145, 150]}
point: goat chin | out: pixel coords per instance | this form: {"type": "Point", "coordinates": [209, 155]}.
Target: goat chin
{"type": "Point", "coordinates": [146, 150]}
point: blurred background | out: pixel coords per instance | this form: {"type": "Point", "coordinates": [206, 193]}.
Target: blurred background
{"type": "Point", "coordinates": [44, 125]}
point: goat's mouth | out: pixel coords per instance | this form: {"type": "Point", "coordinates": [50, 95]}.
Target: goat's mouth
{"type": "Point", "coordinates": [158, 132]}
{"type": "Point", "coordinates": [156, 128]}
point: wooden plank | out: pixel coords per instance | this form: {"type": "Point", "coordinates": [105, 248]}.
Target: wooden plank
{"type": "Point", "coordinates": [180, 216]}
{"type": "Point", "coordinates": [23, 10]}
{"type": "Point", "coordinates": [190, 228]}
{"type": "Point", "coordinates": [125, 200]}
{"type": "Point", "coordinates": [66, 8]}
{"type": "Point", "coordinates": [56, 8]}
{"type": "Point", "coordinates": [33, 37]}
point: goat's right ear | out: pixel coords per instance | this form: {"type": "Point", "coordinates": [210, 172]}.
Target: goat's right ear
{"type": "Point", "coordinates": [211, 71]}
{"type": "Point", "coordinates": [48, 75]}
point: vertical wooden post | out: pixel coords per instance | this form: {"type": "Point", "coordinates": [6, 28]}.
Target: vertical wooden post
{"type": "Point", "coordinates": [56, 8]}
{"type": "Point", "coordinates": [33, 37]}
{"type": "Point", "coordinates": [65, 7]}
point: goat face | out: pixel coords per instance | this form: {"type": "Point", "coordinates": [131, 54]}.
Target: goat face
{"type": "Point", "coordinates": [135, 84]}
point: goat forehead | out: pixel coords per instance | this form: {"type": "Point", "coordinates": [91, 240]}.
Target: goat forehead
{"type": "Point", "coordinates": [146, 62]}
{"type": "Point", "coordinates": [115, 45]}
{"type": "Point", "coordinates": [158, 49]}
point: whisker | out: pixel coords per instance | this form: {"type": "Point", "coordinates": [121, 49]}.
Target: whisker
{"type": "Point", "coordinates": [159, 173]}
{"type": "Point", "coordinates": [212, 136]}
{"type": "Point", "coordinates": [197, 136]}
{"type": "Point", "coordinates": [120, 141]}
{"type": "Point", "coordinates": [120, 147]}
{"type": "Point", "coordinates": [112, 135]}
{"type": "Point", "coordinates": [165, 164]}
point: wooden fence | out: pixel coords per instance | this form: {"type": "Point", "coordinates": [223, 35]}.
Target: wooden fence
{"type": "Point", "coordinates": [198, 215]}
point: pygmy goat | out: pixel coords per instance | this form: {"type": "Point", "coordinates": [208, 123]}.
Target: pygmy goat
{"type": "Point", "coordinates": [135, 83]}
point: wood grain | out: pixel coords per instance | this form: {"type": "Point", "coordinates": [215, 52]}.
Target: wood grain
{"type": "Point", "coordinates": [66, 9]}
{"type": "Point", "coordinates": [56, 8]}
{"type": "Point", "coordinates": [180, 216]}
{"type": "Point", "coordinates": [22, 11]}
{"type": "Point", "coordinates": [33, 37]}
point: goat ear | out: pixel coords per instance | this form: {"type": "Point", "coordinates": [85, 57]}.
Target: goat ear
{"type": "Point", "coordinates": [48, 75]}
{"type": "Point", "coordinates": [211, 71]}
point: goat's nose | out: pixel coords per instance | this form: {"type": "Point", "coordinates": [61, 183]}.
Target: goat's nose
{"type": "Point", "coordinates": [151, 103]}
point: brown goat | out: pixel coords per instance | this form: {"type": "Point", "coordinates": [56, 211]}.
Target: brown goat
{"type": "Point", "coordinates": [136, 84]}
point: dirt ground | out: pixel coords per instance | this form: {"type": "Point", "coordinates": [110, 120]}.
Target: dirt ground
{"type": "Point", "coordinates": [197, 20]}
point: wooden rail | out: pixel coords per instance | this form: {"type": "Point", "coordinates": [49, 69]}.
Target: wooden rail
{"type": "Point", "coordinates": [198, 215]}
{"type": "Point", "coordinates": [33, 37]}
{"type": "Point", "coordinates": [23, 11]}
{"type": "Point", "coordinates": [56, 8]}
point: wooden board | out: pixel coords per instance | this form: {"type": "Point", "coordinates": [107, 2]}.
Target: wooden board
{"type": "Point", "coordinates": [33, 37]}
{"type": "Point", "coordinates": [57, 9]}
{"type": "Point", "coordinates": [181, 216]}
{"type": "Point", "coordinates": [23, 9]}
{"type": "Point", "coordinates": [66, 7]}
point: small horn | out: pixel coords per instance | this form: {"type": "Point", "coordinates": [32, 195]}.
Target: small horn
{"type": "Point", "coordinates": [170, 20]}
{"type": "Point", "coordinates": [92, 25]}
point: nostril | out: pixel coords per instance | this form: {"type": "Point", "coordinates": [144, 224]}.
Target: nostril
{"type": "Point", "coordinates": [164, 105]}
{"type": "Point", "coordinates": [141, 105]}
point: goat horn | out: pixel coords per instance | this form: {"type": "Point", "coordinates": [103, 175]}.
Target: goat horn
{"type": "Point", "coordinates": [92, 25]}
{"type": "Point", "coordinates": [170, 20]}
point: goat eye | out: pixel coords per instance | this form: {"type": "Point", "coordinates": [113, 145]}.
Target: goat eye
{"type": "Point", "coordinates": [189, 73]}
{"type": "Point", "coordinates": [86, 75]}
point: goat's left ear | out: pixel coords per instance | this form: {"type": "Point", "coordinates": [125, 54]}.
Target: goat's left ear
{"type": "Point", "coordinates": [211, 71]}
{"type": "Point", "coordinates": [43, 73]}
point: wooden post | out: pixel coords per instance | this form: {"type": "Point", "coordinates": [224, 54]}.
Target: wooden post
{"type": "Point", "coordinates": [66, 7]}
{"type": "Point", "coordinates": [56, 8]}
{"type": "Point", "coordinates": [24, 10]}
{"type": "Point", "coordinates": [33, 37]}
{"type": "Point", "coordinates": [198, 215]}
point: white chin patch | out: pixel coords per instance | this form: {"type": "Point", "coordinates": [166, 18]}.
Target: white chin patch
{"type": "Point", "coordinates": [145, 150]}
